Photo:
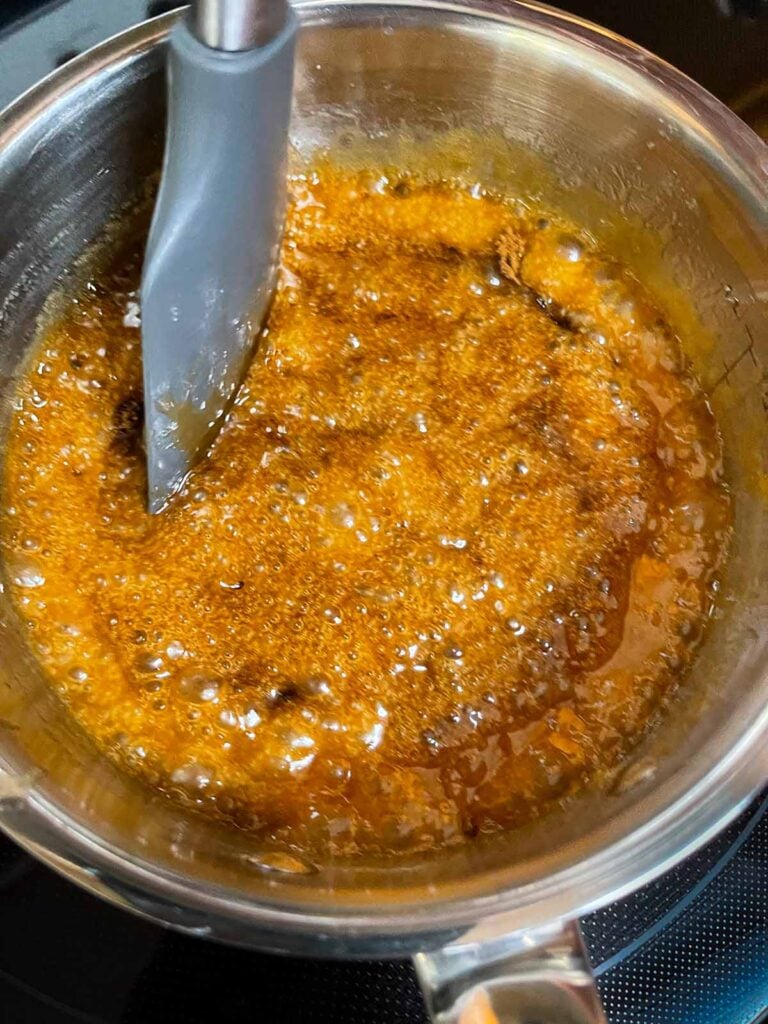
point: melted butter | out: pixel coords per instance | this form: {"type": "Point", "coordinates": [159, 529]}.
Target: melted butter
{"type": "Point", "coordinates": [450, 555]}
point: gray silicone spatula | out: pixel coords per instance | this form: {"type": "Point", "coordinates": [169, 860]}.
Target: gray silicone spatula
{"type": "Point", "coordinates": [211, 260]}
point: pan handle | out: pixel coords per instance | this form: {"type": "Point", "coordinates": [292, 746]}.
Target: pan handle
{"type": "Point", "coordinates": [538, 977]}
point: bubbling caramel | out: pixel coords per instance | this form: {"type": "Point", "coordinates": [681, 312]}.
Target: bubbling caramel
{"type": "Point", "coordinates": [445, 564]}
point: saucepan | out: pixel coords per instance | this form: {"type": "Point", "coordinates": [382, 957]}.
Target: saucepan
{"type": "Point", "coordinates": [520, 98]}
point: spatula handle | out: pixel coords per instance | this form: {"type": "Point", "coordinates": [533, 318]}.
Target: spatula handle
{"type": "Point", "coordinates": [236, 25]}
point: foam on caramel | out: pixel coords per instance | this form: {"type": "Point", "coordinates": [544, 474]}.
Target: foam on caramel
{"type": "Point", "coordinates": [451, 554]}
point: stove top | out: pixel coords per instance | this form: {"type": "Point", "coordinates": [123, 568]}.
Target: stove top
{"type": "Point", "coordinates": [690, 948]}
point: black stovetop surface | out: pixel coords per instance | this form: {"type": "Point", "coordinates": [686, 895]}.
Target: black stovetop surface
{"type": "Point", "coordinates": [691, 948]}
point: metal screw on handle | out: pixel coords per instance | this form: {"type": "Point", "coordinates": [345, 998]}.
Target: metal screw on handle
{"type": "Point", "coordinates": [237, 25]}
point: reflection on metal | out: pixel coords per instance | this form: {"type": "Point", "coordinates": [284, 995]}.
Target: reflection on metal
{"type": "Point", "coordinates": [541, 976]}
{"type": "Point", "coordinates": [236, 25]}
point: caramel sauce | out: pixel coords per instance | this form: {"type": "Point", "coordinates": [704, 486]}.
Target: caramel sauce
{"type": "Point", "coordinates": [450, 556]}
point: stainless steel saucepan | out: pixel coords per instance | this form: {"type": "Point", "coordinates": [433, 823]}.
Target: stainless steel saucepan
{"type": "Point", "coordinates": [514, 96]}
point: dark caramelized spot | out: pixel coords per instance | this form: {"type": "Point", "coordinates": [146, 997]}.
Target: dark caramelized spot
{"type": "Point", "coordinates": [471, 829]}
{"type": "Point", "coordinates": [559, 316]}
{"type": "Point", "coordinates": [590, 498]}
{"type": "Point", "coordinates": [128, 426]}
{"type": "Point", "coordinates": [285, 693]}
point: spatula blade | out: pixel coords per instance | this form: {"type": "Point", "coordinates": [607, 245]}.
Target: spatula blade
{"type": "Point", "coordinates": [212, 255]}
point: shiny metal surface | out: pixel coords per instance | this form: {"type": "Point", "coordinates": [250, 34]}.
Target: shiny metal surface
{"type": "Point", "coordinates": [652, 165]}
{"type": "Point", "coordinates": [235, 25]}
{"type": "Point", "coordinates": [542, 976]}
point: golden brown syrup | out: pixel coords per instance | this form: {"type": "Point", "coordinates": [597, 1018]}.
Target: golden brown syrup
{"type": "Point", "coordinates": [453, 550]}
